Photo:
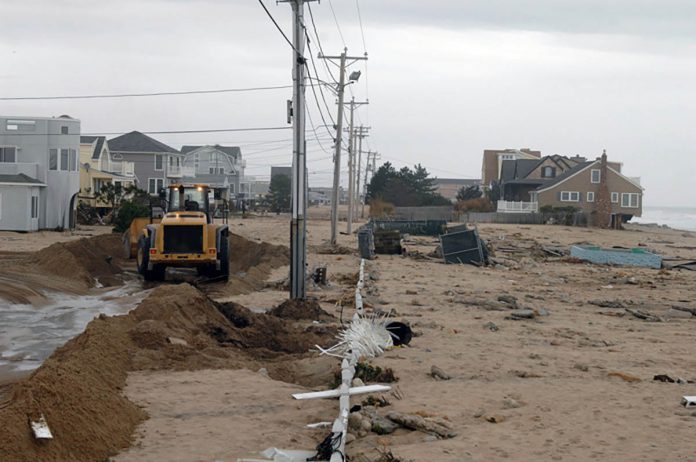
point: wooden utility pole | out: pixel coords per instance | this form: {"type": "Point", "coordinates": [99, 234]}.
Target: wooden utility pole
{"type": "Point", "coordinates": [335, 196]}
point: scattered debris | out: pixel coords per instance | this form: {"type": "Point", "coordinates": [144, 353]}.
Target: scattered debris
{"type": "Point", "coordinates": [508, 299]}
{"type": "Point", "coordinates": [491, 326]}
{"type": "Point", "coordinates": [685, 309]}
{"type": "Point", "coordinates": [623, 257]}
{"type": "Point", "coordinates": [667, 379]}
{"type": "Point", "coordinates": [689, 401]}
{"type": "Point", "coordinates": [439, 374]}
{"type": "Point", "coordinates": [521, 314]}
{"type": "Point", "coordinates": [40, 429]}
{"type": "Point", "coordinates": [624, 376]}
{"type": "Point", "coordinates": [607, 303]}
{"type": "Point", "coordinates": [319, 275]}
{"type": "Point", "coordinates": [464, 247]}
{"type": "Point", "coordinates": [369, 373]}
{"type": "Point", "coordinates": [433, 425]}
{"type": "Point", "coordinates": [494, 418]}
{"type": "Point", "coordinates": [644, 315]}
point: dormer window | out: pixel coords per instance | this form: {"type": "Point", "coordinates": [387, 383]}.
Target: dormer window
{"type": "Point", "coordinates": [548, 172]}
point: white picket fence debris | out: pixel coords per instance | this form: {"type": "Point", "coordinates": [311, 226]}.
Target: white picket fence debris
{"type": "Point", "coordinates": [40, 429]}
{"type": "Point", "coordinates": [337, 392]}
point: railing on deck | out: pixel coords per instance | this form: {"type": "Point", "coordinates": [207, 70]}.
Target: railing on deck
{"type": "Point", "coordinates": [517, 207]}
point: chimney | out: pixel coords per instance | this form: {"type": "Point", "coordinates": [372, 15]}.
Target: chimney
{"type": "Point", "coordinates": [603, 199]}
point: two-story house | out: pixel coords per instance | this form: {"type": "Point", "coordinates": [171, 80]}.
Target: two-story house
{"type": "Point", "coordinates": [155, 165]}
{"type": "Point", "coordinates": [597, 188]}
{"type": "Point", "coordinates": [526, 185]}
{"type": "Point", "coordinates": [39, 178]}
{"type": "Point", "coordinates": [220, 167]}
{"type": "Point", "coordinates": [97, 169]}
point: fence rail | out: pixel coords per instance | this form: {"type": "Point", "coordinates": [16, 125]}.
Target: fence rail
{"type": "Point", "coordinates": [517, 207]}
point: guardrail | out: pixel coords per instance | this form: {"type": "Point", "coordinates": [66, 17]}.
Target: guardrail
{"type": "Point", "coordinates": [517, 207]}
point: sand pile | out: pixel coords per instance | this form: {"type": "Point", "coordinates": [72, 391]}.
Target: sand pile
{"type": "Point", "coordinates": [250, 265]}
{"type": "Point", "coordinates": [84, 260]}
{"type": "Point", "coordinates": [79, 388]}
{"type": "Point", "coordinates": [299, 309]}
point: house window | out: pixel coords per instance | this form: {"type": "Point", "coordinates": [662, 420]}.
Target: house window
{"type": "Point", "coordinates": [212, 170]}
{"type": "Point", "coordinates": [64, 157]}
{"type": "Point", "coordinates": [595, 176]}
{"type": "Point", "coordinates": [0, 206]}
{"type": "Point", "coordinates": [548, 172]}
{"type": "Point", "coordinates": [118, 184]}
{"type": "Point", "coordinates": [232, 188]}
{"type": "Point", "coordinates": [154, 185]}
{"type": "Point", "coordinates": [73, 160]}
{"type": "Point", "coordinates": [21, 125]}
{"type": "Point", "coordinates": [64, 130]}
{"type": "Point", "coordinates": [159, 162]}
{"type": "Point", "coordinates": [570, 196]}
{"type": "Point", "coordinates": [222, 170]}
{"type": "Point", "coordinates": [629, 200]}
{"type": "Point", "coordinates": [98, 185]}
{"type": "Point", "coordinates": [614, 198]}
{"type": "Point", "coordinates": [8, 154]}
{"type": "Point", "coordinates": [34, 206]}
{"type": "Point", "coordinates": [590, 196]}
{"type": "Point", "coordinates": [53, 159]}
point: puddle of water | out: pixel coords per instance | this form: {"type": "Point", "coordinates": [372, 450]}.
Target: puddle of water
{"type": "Point", "coordinates": [30, 333]}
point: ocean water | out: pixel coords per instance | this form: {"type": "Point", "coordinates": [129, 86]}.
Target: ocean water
{"type": "Point", "coordinates": [674, 217]}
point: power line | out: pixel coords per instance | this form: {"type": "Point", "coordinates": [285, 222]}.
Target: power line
{"type": "Point", "coordinates": [336, 21]}
{"type": "Point", "coordinates": [136, 95]}
{"type": "Point", "coordinates": [362, 31]}
{"type": "Point", "coordinates": [321, 49]}
{"type": "Point", "coordinates": [154, 132]}
{"type": "Point", "coordinates": [278, 27]}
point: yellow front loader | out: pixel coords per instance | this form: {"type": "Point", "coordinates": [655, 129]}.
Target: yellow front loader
{"type": "Point", "coordinates": [185, 237]}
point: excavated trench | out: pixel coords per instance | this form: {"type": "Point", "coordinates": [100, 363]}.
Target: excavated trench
{"type": "Point", "coordinates": [49, 296]}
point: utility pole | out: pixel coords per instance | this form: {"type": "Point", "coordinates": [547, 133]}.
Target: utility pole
{"type": "Point", "coordinates": [298, 226]}
{"type": "Point", "coordinates": [362, 134]}
{"type": "Point", "coordinates": [343, 64]}
{"type": "Point", "coordinates": [368, 167]}
{"type": "Point", "coordinates": [351, 165]}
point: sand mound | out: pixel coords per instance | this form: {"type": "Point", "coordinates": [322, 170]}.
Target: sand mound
{"type": "Point", "coordinates": [79, 388]}
{"type": "Point", "coordinates": [299, 309]}
{"type": "Point", "coordinates": [247, 255]}
{"type": "Point", "coordinates": [83, 260]}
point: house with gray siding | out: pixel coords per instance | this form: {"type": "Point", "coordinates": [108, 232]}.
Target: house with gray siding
{"type": "Point", "coordinates": [221, 167]}
{"type": "Point", "coordinates": [39, 174]}
{"type": "Point", "coordinates": [155, 165]}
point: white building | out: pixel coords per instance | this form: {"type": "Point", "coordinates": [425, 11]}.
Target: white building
{"type": "Point", "coordinates": [39, 173]}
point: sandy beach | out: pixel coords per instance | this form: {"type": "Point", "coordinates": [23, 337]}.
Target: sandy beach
{"type": "Point", "coordinates": [180, 379]}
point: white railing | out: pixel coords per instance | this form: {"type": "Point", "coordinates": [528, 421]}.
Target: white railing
{"type": "Point", "coordinates": [122, 167]}
{"type": "Point", "coordinates": [517, 207]}
{"type": "Point", "coordinates": [174, 171]}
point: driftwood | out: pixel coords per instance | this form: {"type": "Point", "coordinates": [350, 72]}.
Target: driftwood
{"type": "Point", "coordinates": [683, 308]}
{"type": "Point", "coordinates": [644, 315]}
{"type": "Point", "coordinates": [436, 426]}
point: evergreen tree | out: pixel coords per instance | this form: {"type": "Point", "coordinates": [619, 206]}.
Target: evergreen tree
{"type": "Point", "coordinates": [279, 193]}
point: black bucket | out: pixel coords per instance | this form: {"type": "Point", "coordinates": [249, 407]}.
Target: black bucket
{"type": "Point", "coordinates": [401, 333]}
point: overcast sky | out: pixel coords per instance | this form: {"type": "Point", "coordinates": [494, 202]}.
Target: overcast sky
{"type": "Point", "coordinates": [446, 79]}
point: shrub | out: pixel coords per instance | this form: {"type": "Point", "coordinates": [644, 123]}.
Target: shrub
{"type": "Point", "coordinates": [126, 213]}
{"type": "Point", "coordinates": [380, 208]}
{"type": "Point", "coordinates": [480, 204]}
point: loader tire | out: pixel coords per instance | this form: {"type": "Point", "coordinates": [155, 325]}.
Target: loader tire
{"type": "Point", "coordinates": [157, 273]}
{"type": "Point", "coordinates": [224, 256]}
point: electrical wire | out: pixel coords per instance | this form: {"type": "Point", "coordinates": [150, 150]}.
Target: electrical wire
{"type": "Point", "coordinates": [153, 132]}
{"type": "Point", "coordinates": [336, 21]}
{"type": "Point", "coordinates": [278, 27]}
{"type": "Point", "coordinates": [138, 95]}
{"type": "Point", "coordinates": [321, 49]}
{"type": "Point", "coordinates": [362, 31]}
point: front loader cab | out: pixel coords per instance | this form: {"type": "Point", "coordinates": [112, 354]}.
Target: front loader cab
{"type": "Point", "coordinates": [190, 198]}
